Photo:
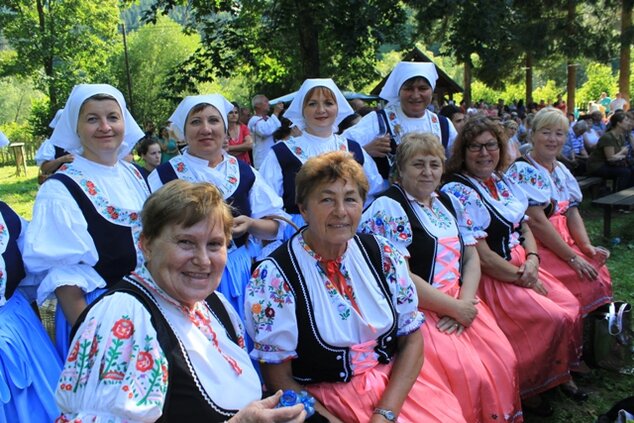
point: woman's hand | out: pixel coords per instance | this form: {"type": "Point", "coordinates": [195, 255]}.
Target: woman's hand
{"type": "Point", "coordinates": [584, 269]}
{"type": "Point", "coordinates": [465, 311]}
{"type": "Point", "coordinates": [448, 325]}
{"type": "Point", "coordinates": [264, 411]}
{"type": "Point", "coordinates": [540, 288]}
{"type": "Point", "coordinates": [241, 225]}
{"type": "Point", "coordinates": [379, 147]}
{"type": "Point", "coordinates": [528, 272]}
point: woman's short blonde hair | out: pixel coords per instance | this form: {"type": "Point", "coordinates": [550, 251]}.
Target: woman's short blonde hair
{"type": "Point", "coordinates": [184, 203]}
{"type": "Point", "coordinates": [326, 168]}
{"type": "Point", "coordinates": [549, 116]}
{"type": "Point", "coordinates": [414, 144]}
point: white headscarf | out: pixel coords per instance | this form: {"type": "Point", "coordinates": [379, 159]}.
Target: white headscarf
{"type": "Point", "coordinates": [4, 141]}
{"type": "Point", "coordinates": [65, 133]}
{"type": "Point", "coordinates": [295, 112]}
{"type": "Point", "coordinates": [179, 117]}
{"type": "Point", "coordinates": [404, 71]}
{"type": "Point", "coordinates": [54, 121]}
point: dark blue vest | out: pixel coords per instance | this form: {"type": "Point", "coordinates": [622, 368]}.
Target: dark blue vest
{"type": "Point", "coordinates": [500, 229]}
{"type": "Point", "coordinates": [114, 243]}
{"type": "Point", "coordinates": [239, 200]}
{"type": "Point", "coordinates": [382, 164]}
{"type": "Point", "coordinates": [14, 267]}
{"type": "Point", "coordinates": [290, 165]}
{"type": "Point", "coordinates": [424, 246]}
{"type": "Point", "coordinates": [317, 361]}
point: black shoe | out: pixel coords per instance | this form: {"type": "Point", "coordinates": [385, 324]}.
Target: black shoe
{"type": "Point", "coordinates": [538, 406]}
{"type": "Point", "coordinates": [575, 393]}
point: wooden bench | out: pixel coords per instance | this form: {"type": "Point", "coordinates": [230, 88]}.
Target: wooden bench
{"type": "Point", "coordinates": [621, 198]}
{"type": "Point", "coordinates": [592, 183]}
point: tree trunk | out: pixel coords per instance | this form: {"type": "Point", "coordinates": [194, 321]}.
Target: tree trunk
{"type": "Point", "coordinates": [467, 82]}
{"type": "Point", "coordinates": [529, 79]}
{"type": "Point", "coordinates": [626, 45]}
{"type": "Point", "coordinates": [572, 67]}
{"type": "Point", "coordinates": [308, 40]}
{"type": "Point", "coordinates": [47, 59]}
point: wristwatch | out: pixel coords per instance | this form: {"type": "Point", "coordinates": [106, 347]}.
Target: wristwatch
{"type": "Point", "coordinates": [388, 414]}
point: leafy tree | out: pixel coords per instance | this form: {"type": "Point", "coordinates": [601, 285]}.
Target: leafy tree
{"type": "Point", "coordinates": [600, 79]}
{"type": "Point", "coordinates": [60, 42]}
{"type": "Point", "coordinates": [154, 51]}
{"type": "Point", "coordinates": [281, 42]}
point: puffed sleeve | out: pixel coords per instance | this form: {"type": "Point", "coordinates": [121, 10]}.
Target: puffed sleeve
{"type": "Point", "coordinates": [271, 172]}
{"type": "Point", "coordinates": [576, 196]}
{"type": "Point", "coordinates": [365, 131]}
{"type": "Point", "coordinates": [386, 217]}
{"type": "Point", "coordinates": [116, 370]}
{"type": "Point", "coordinates": [402, 287]}
{"type": "Point", "coordinates": [265, 202]}
{"type": "Point", "coordinates": [270, 315]}
{"type": "Point", "coordinates": [475, 218]}
{"type": "Point", "coordinates": [531, 181]}
{"type": "Point", "coordinates": [57, 242]}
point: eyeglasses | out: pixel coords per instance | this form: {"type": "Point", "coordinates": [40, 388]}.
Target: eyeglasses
{"type": "Point", "coordinates": [490, 146]}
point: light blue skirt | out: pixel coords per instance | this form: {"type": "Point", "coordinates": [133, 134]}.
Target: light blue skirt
{"type": "Point", "coordinates": [62, 328]}
{"type": "Point", "coordinates": [29, 365]}
{"type": "Point", "coordinates": [235, 278]}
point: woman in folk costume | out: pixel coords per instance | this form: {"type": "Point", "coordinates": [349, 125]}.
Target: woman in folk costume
{"type": "Point", "coordinates": [463, 342]}
{"type": "Point", "coordinates": [86, 224]}
{"type": "Point", "coordinates": [554, 198]}
{"type": "Point", "coordinates": [531, 306]}
{"type": "Point", "coordinates": [335, 313]}
{"type": "Point", "coordinates": [408, 90]}
{"type": "Point", "coordinates": [317, 109]}
{"type": "Point", "coordinates": [29, 365]}
{"type": "Point", "coordinates": [203, 121]}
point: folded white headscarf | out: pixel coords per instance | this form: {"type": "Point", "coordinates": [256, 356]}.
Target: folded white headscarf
{"type": "Point", "coordinates": [404, 71]}
{"type": "Point", "coordinates": [54, 121]}
{"type": "Point", "coordinates": [65, 133]}
{"type": "Point", "coordinates": [4, 141]}
{"type": "Point", "coordinates": [295, 112]}
{"type": "Point", "coordinates": [179, 117]}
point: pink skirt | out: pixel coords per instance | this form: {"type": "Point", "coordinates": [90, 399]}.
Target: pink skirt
{"type": "Point", "coordinates": [429, 400]}
{"type": "Point", "coordinates": [544, 331]}
{"type": "Point", "coordinates": [591, 294]}
{"type": "Point", "coordinates": [479, 366]}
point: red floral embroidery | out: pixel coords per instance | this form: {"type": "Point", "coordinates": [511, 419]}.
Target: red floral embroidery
{"type": "Point", "coordinates": [233, 180]}
{"type": "Point", "coordinates": [232, 160]}
{"type": "Point", "coordinates": [112, 212]}
{"type": "Point", "coordinates": [392, 115]}
{"type": "Point", "coordinates": [298, 150]}
{"type": "Point", "coordinates": [180, 167]}
{"type": "Point", "coordinates": [91, 188]}
{"type": "Point", "coordinates": [387, 249]}
{"type": "Point", "coordinates": [144, 362]}
{"type": "Point", "coordinates": [134, 216]}
{"type": "Point", "coordinates": [73, 354]}
{"type": "Point", "coordinates": [123, 329]}
{"type": "Point", "coordinates": [269, 312]}
{"type": "Point", "coordinates": [434, 119]}
{"type": "Point", "coordinates": [165, 373]}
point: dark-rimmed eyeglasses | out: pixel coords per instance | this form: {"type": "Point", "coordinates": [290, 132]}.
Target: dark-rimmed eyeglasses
{"type": "Point", "coordinates": [476, 147]}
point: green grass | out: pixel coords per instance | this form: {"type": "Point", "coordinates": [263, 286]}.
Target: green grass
{"type": "Point", "coordinates": [19, 191]}
{"type": "Point", "coordinates": [605, 387]}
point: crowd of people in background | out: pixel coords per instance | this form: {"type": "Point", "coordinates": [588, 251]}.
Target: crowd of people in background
{"type": "Point", "coordinates": [418, 260]}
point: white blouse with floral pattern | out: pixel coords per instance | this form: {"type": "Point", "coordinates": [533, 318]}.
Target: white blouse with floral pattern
{"type": "Point", "coordinates": [116, 370]}
{"type": "Point", "coordinates": [270, 304]}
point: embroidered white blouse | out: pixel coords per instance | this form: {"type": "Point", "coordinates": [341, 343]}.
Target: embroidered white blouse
{"type": "Point", "coordinates": [57, 240]}
{"type": "Point", "coordinates": [226, 177]}
{"type": "Point", "coordinates": [306, 146]}
{"type": "Point", "coordinates": [116, 370]}
{"type": "Point", "coordinates": [270, 304]}
{"type": "Point", "coordinates": [542, 186]}
{"type": "Point", "coordinates": [512, 204]}
{"type": "Point", "coordinates": [368, 128]}
{"type": "Point", "coordinates": [386, 217]}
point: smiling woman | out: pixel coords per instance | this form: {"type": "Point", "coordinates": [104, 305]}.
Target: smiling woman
{"type": "Point", "coordinates": [84, 232]}
{"type": "Point", "coordinates": [158, 350]}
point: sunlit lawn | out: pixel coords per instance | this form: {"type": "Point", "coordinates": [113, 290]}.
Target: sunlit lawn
{"type": "Point", "coordinates": [605, 387]}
